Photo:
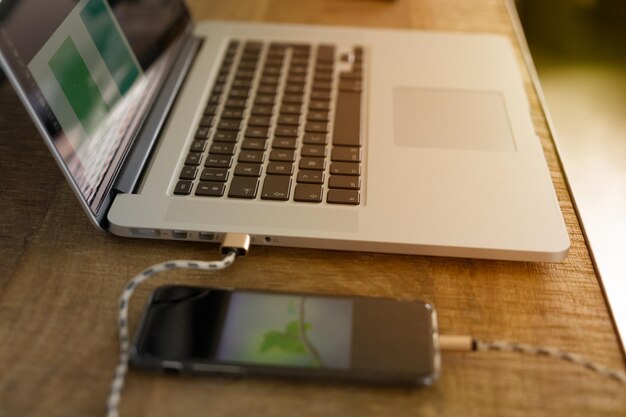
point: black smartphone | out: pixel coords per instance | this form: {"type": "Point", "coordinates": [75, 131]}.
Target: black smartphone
{"type": "Point", "coordinates": [214, 330]}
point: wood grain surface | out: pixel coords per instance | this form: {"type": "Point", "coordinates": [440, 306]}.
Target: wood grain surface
{"type": "Point", "coordinates": [60, 279]}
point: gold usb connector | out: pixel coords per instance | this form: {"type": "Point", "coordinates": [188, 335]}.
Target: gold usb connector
{"type": "Point", "coordinates": [237, 242]}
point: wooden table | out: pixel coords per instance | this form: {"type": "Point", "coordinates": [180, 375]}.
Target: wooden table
{"type": "Point", "coordinates": [60, 279]}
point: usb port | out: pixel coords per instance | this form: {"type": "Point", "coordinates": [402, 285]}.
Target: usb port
{"type": "Point", "coordinates": [179, 234]}
{"type": "Point", "coordinates": [206, 236]}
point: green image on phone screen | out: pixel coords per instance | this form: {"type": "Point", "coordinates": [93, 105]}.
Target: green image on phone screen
{"type": "Point", "coordinates": [286, 330]}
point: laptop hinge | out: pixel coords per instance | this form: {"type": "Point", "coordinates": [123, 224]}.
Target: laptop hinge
{"type": "Point", "coordinates": [139, 155]}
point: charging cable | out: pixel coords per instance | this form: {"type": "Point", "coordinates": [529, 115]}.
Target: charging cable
{"type": "Point", "coordinates": [237, 244]}
{"type": "Point", "coordinates": [452, 343]}
{"type": "Point", "coordinates": [233, 245]}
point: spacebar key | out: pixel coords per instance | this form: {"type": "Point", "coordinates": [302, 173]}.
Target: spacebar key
{"type": "Point", "coordinates": [347, 131]}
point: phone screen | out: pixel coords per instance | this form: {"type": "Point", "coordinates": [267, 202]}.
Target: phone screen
{"type": "Point", "coordinates": [292, 334]}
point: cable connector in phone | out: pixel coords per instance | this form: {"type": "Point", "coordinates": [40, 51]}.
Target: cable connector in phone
{"type": "Point", "coordinates": [235, 242]}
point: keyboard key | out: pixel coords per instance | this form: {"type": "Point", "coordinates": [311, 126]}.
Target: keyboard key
{"type": "Point", "coordinates": [243, 187]}
{"type": "Point", "coordinates": [271, 71]}
{"type": "Point", "coordinates": [325, 53]}
{"type": "Point", "coordinates": [315, 138]}
{"type": "Point", "coordinates": [206, 121]}
{"type": "Point", "coordinates": [290, 109]}
{"type": "Point", "coordinates": [345, 168]}
{"type": "Point", "coordinates": [354, 86]}
{"type": "Point", "coordinates": [311, 193]}
{"type": "Point", "coordinates": [310, 177]}
{"type": "Point", "coordinates": [210, 110]}
{"type": "Point", "coordinates": [282, 155]}
{"type": "Point", "coordinates": [293, 98]}
{"type": "Point", "coordinates": [322, 85]}
{"type": "Point", "coordinates": [262, 110]}
{"type": "Point", "coordinates": [253, 46]}
{"type": "Point", "coordinates": [259, 121]}
{"type": "Point", "coordinates": [345, 154]}
{"type": "Point", "coordinates": [264, 100]}
{"type": "Point", "coordinates": [316, 127]}
{"type": "Point", "coordinates": [343, 197]}
{"type": "Point", "coordinates": [294, 89]}
{"type": "Point", "coordinates": [317, 164]}
{"type": "Point", "coordinates": [296, 79]}
{"type": "Point", "coordinates": [202, 133]}
{"type": "Point", "coordinates": [288, 131]}
{"type": "Point", "coordinates": [344, 181]}
{"type": "Point", "coordinates": [257, 132]}
{"type": "Point", "coordinates": [319, 105]}
{"type": "Point", "coordinates": [248, 170]}
{"type": "Point", "coordinates": [347, 129]}
{"type": "Point", "coordinates": [313, 150]}
{"type": "Point", "coordinates": [320, 95]}
{"type": "Point", "coordinates": [322, 77]}
{"type": "Point", "coordinates": [324, 66]}
{"type": "Point", "coordinates": [239, 93]}
{"type": "Point", "coordinates": [214, 99]}
{"type": "Point", "coordinates": [214, 174]}
{"type": "Point", "coordinates": [217, 161]}
{"type": "Point", "coordinates": [280, 168]}
{"type": "Point", "coordinates": [289, 119]}
{"type": "Point", "coordinates": [225, 136]}
{"type": "Point", "coordinates": [193, 158]}
{"type": "Point", "coordinates": [318, 116]}
{"type": "Point", "coordinates": [210, 189]}
{"type": "Point", "coordinates": [244, 74]}
{"type": "Point", "coordinates": [248, 65]}
{"type": "Point", "coordinates": [284, 143]}
{"type": "Point", "coordinates": [254, 144]}
{"type": "Point", "coordinates": [300, 61]}
{"type": "Point", "coordinates": [183, 187]}
{"type": "Point", "coordinates": [269, 79]}
{"type": "Point", "coordinates": [229, 124]}
{"type": "Point", "coordinates": [222, 149]}
{"type": "Point", "coordinates": [256, 157]}
{"type": "Point", "coordinates": [198, 145]}
{"type": "Point", "coordinates": [350, 76]}
{"type": "Point", "coordinates": [276, 187]}
{"type": "Point", "coordinates": [236, 103]}
{"type": "Point", "coordinates": [274, 61]}
{"type": "Point", "coordinates": [188, 173]}
{"type": "Point", "coordinates": [266, 90]}
{"type": "Point", "coordinates": [241, 83]}
{"type": "Point", "coordinates": [235, 114]}
{"type": "Point", "coordinates": [297, 70]}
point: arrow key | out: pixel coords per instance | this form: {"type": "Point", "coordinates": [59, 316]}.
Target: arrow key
{"type": "Point", "coordinates": [310, 193]}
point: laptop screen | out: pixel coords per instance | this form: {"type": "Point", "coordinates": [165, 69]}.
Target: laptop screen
{"type": "Point", "coordinates": [89, 70]}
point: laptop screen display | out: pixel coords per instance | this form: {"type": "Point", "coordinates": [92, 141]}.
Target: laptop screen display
{"type": "Point", "coordinates": [89, 70]}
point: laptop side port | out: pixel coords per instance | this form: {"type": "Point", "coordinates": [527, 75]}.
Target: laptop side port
{"type": "Point", "coordinates": [206, 236]}
{"type": "Point", "coordinates": [179, 234]}
{"type": "Point", "coordinates": [142, 232]}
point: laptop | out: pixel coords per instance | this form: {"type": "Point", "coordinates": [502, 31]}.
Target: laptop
{"type": "Point", "coordinates": [309, 136]}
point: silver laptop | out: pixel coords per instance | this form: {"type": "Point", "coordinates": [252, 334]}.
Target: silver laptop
{"type": "Point", "coordinates": [309, 136]}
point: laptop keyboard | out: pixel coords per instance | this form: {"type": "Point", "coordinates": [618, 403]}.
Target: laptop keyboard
{"type": "Point", "coordinates": [280, 124]}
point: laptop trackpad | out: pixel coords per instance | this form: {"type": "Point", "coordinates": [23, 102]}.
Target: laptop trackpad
{"type": "Point", "coordinates": [453, 119]}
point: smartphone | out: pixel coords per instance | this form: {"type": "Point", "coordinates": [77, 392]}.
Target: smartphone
{"type": "Point", "coordinates": [241, 332]}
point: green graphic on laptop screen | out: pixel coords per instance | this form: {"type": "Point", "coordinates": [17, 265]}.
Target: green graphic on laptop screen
{"type": "Point", "coordinates": [83, 71]}
{"type": "Point", "coordinates": [92, 64]}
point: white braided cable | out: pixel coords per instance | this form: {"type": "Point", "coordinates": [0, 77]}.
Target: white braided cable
{"type": "Point", "coordinates": [553, 353]}
{"type": "Point", "coordinates": [117, 384]}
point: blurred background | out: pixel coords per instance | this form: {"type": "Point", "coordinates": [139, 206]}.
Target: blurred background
{"type": "Point", "coordinates": [579, 51]}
